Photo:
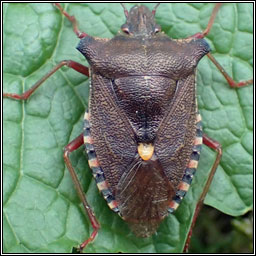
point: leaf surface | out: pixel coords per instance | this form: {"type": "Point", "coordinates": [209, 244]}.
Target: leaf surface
{"type": "Point", "coordinates": [42, 212]}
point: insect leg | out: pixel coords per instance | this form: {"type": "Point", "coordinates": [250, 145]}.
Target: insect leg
{"type": "Point", "coordinates": [229, 79]}
{"type": "Point", "coordinates": [209, 142]}
{"type": "Point", "coordinates": [72, 64]}
{"type": "Point", "coordinates": [73, 20]}
{"type": "Point", "coordinates": [73, 145]}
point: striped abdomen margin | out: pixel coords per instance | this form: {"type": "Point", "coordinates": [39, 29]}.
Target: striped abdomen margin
{"type": "Point", "coordinates": [96, 169]}
{"type": "Point", "coordinates": [104, 187]}
{"type": "Point", "coordinates": [191, 167]}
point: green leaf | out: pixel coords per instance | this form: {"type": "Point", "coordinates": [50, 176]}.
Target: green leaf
{"type": "Point", "coordinates": [42, 212]}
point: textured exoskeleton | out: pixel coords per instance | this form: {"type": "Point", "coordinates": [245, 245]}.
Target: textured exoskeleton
{"type": "Point", "coordinates": [143, 132]}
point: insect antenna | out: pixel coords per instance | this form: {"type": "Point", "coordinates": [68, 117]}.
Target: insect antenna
{"type": "Point", "coordinates": [125, 10]}
{"type": "Point", "coordinates": [154, 10]}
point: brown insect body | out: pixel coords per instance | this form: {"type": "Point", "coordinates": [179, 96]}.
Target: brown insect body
{"type": "Point", "coordinates": [142, 93]}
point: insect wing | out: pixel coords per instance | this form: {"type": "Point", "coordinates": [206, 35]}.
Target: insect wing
{"type": "Point", "coordinates": [143, 194]}
{"type": "Point", "coordinates": [176, 133]}
{"type": "Point", "coordinates": [112, 135]}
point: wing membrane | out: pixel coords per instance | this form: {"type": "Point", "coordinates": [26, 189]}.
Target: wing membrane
{"type": "Point", "coordinates": [143, 195]}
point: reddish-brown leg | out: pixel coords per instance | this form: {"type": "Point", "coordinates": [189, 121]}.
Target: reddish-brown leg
{"type": "Point", "coordinates": [232, 83]}
{"type": "Point", "coordinates": [217, 147]}
{"type": "Point", "coordinates": [73, 145]}
{"type": "Point", "coordinates": [73, 20]}
{"type": "Point", "coordinates": [229, 79]}
{"type": "Point", "coordinates": [72, 64]}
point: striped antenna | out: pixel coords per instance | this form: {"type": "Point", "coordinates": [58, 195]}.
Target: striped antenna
{"type": "Point", "coordinates": [125, 10]}
{"type": "Point", "coordinates": [154, 10]}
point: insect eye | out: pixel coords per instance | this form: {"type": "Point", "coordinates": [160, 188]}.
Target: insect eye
{"type": "Point", "coordinates": [157, 29]}
{"type": "Point", "coordinates": [125, 29]}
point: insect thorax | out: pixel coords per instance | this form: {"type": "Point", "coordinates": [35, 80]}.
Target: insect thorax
{"type": "Point", "coordinates": [143, 122]}
{"type": "Point", "coordinates": [143, 74]}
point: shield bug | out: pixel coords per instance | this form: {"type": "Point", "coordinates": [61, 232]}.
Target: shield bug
{"type": "Point", "coordinates": [35, 162]}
